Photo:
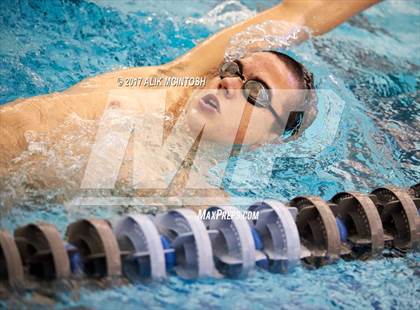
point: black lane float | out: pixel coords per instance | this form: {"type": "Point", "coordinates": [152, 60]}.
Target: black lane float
{"type": "Point", "coordinates": [11, 267]}
{"type": "Point", "coordinates": [359, 223]}
{"type": "Point", "coordinates": [97, 246]}
{"type": "Point", "coordinates": [145, 248]}
{"type": "Point", "coordinates": [318, 230]}
{"type": "Point", "coordinates": [399, 216]}
{"type": "Point", "coordinates": [42, 251]}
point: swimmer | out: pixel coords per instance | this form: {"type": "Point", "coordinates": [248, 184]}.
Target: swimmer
{"type": "Point", "coordinates": [239, 86]}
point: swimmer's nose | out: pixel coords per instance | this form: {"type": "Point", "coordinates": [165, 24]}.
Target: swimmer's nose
{"type": "Point", "coordinates": [230, 86]}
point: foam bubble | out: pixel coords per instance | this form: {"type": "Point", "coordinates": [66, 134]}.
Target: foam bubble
{"type": "Point", "coordinates": [271, 34]}
{"type": "Point", "coordinates": [223, 15]}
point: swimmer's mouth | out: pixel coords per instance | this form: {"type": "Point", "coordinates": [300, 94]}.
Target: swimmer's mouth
{"type": "Point", "coordinates": [210, 101]}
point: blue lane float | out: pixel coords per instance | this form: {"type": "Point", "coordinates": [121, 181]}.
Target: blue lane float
{"type": "Point", "coordinates": [189, 239]}
{"type": "Point", "coordinates": [145, 248]}
{"type": "Point", "coordinates": [278, 234]}
{"type": "Point", "coordinates": [232, 241]}
{"type": "Point", "coordinates": [76, 260]}
{"type": "Point", "coordinates": [141, 248]}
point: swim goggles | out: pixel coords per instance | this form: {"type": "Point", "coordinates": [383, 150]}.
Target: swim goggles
{"type": "Point", "coordinates": [257, 93]}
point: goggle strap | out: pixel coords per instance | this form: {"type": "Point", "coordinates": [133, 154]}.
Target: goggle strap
{"type": "Point", "coordinates": [276, 116]}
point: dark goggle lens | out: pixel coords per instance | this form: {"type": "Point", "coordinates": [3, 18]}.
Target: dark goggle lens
{"type": "Point", "coordinates": [229, 69]}
{"type": "Point", "coordinates": [256, 93]}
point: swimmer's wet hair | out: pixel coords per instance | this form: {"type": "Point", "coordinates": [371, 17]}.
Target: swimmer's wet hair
{"type": "Point", "coordinates": [298, 122]}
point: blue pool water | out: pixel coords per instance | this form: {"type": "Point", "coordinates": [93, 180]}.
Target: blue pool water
{"type": "Point", "coordinates": [371, 62]}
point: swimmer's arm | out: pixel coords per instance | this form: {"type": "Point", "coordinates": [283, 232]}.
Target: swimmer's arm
{"type": "Point", "coordinates": [42, 114]}
{"type": "Point", "coordinates": [87, 100]}
{"type": "Point", "coordinates": [320, 16]}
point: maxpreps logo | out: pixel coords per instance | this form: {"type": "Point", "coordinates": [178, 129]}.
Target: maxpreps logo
{"type": "Point", "coordinates": [220, 214]}
{"type": "Point", "coordinates": [133, 123]}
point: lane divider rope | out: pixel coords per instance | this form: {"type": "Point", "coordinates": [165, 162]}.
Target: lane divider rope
{"type": "Point", "coordinates": [144, 248]}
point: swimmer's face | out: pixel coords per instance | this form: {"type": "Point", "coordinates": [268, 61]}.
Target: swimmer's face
{"type": "Point", "coordinates": [227, 116]}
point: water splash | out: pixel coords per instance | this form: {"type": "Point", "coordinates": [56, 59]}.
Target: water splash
{"type": "Point", "coordinates": [269, 35]}
{"type": "Point", "coordinates": [50, 169]}
{"type": "Point", "coordinates": [224, 14]}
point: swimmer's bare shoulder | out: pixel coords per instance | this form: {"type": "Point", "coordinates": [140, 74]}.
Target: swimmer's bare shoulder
{"type": "Point", "coordinates": [87, 99]}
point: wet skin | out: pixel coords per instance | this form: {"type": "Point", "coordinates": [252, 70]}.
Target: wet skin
{"type": "Point", "coordinates": [221, 106]}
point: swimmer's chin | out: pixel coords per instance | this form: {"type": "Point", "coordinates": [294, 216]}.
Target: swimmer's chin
{"type": "Point", "coordinates": [195, 120]}
{"type": "Point", "coordinates": [196, 123]}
